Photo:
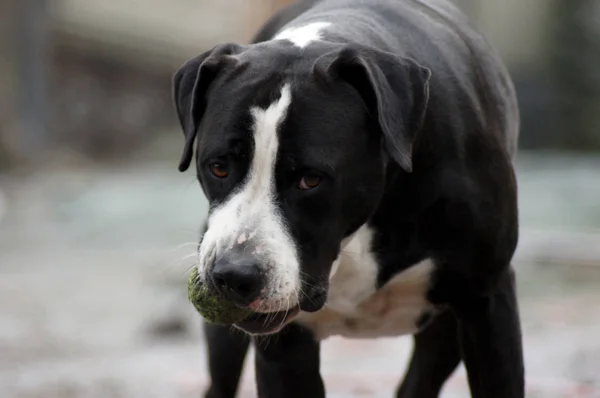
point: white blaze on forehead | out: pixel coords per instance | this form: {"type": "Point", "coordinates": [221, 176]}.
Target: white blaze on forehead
{"type": "Point", "coordinates": [303, 35]}
{"type": "Point", "coordinates": [251, 217]}
{"type": "Point", "coordinates": [266, 143]}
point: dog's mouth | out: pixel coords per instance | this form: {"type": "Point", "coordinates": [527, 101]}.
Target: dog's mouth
{"type": "Point", "coordinates": [268, 323]}
{"type": "Point", "coordinates": [262, 323]}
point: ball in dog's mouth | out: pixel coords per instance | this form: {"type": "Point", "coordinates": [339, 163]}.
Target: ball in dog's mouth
{"type": "Point", "coordinates": [215, 309]}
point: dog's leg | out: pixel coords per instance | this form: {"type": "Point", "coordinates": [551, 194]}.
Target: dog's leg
{"type": "Point", "coordinates": [288, 365]}
{"type": "Point", "coordinates": [490, 340]}
{"type": "Point", "coordinates": [227, 350]}
{"type": "Point", "coordinates": [435, 356]}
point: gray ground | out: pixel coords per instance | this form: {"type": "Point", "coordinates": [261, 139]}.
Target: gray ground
{"type": "Point", "coordinates": [92, 287]}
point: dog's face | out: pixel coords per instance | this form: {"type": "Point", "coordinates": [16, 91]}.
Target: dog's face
{"type": "Point", "coordinates": [292, 162]}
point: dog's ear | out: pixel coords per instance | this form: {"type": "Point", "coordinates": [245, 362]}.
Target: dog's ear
{"type": "Point", "coordinates": [395, 91]}
{"type": "Point", "coordinates": [190, 84]}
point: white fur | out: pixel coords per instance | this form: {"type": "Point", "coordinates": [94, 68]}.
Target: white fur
{"type": "Point", "coordinates": [354, 272]}
{"type": "Point", "coordinates": [356, 308]}
{"type": "Point", "coordinates": [303, 35]}
{"type": "Point", "coordinates": [250, 216]}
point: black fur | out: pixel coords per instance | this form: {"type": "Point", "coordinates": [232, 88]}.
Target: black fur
{"type": "Point", "coordinates": [411, 77]}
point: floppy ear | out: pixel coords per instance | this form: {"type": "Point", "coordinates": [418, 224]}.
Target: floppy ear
{"type": "Point", "coordinates": [395, 91]}
{"type": "Point", "coordinates": [190, 84]}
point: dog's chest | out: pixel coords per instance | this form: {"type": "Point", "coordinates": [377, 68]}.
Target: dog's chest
{"type": "Point", "coordinates": [356, 308]}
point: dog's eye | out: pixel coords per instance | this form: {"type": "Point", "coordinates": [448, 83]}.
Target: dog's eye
{"type": "Point", "coordinates": [219, 170]}
{"type": "Point", "coordinates": [309, 182]}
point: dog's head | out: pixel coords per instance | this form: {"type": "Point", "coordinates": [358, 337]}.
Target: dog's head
{"type": "Point", "coordinates": [292, 147]}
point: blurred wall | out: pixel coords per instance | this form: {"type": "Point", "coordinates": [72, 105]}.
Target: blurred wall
{"type": "Point", "coordinates": [516, 28]}
{"type": "Point", "coordinates": [552, 48]}
{"type": "Point", "coordinates": [108, 66]}
{"type": "Point", "coordinates": [7, 79]}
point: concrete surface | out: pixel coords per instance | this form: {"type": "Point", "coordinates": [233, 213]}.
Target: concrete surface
{"type": "Point", "coordinates": [92, 288]}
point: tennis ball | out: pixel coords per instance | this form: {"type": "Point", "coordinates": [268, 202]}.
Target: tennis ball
{"type": "Point", "coordinates": [213, 309]}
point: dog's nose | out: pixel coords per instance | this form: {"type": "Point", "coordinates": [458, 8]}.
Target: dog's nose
{"type": "Point", "coordinates": [239, 279]}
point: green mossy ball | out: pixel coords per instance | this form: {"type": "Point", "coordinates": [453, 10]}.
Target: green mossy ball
{"type": "Point", "coordinates": [213, 309]}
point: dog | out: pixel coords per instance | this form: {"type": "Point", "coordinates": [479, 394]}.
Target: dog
{"type": "Point", "coordinates": [357, 157]}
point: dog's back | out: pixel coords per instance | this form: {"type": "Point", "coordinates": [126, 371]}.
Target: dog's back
{"type": "Point", "coordinates": [436, 34]}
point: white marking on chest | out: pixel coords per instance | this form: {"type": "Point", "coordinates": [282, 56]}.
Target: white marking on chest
{"type": "Point", "coordinates": [251, 218]}
{"type": "Point", "coordinates": [354, 272]}
{"type": "Point", "coordinates": [355, 308]}
{"type": "Point", "coordinates": [303, 35]}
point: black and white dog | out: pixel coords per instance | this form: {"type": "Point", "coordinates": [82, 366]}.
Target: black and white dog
{"type": "Point", "coordinates": [357, 157]}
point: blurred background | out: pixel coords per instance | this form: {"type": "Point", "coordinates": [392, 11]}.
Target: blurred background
{"type": "Point", "coordinates": [97, 226]}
